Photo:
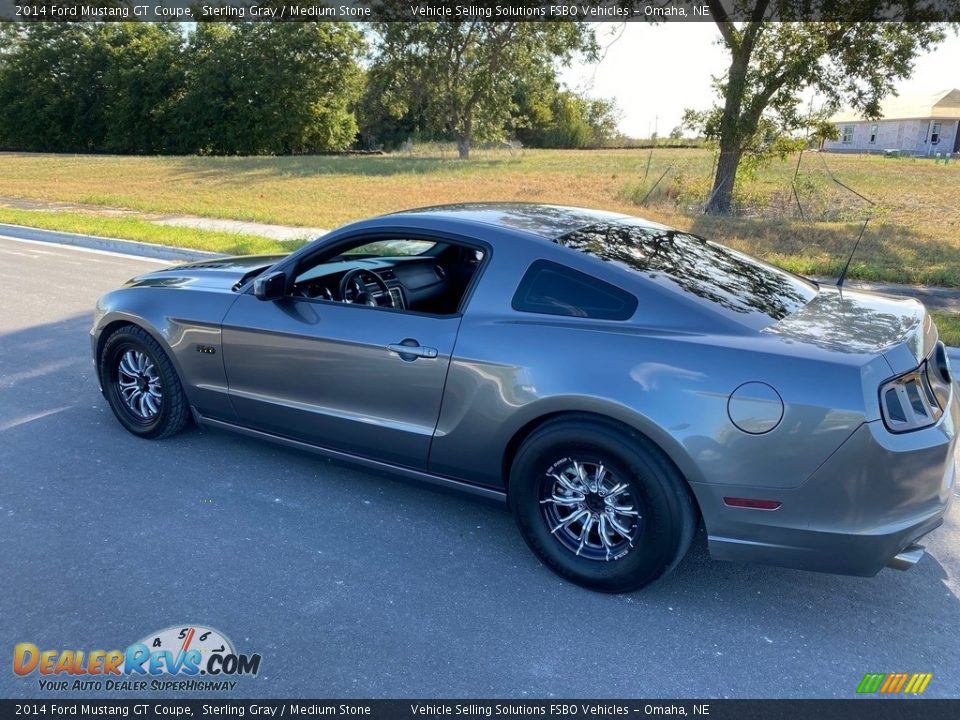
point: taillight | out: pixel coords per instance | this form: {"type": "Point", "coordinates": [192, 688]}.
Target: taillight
{"type": "Point", "coordinates": [917, 399]}
{"type": "Point", "coordinates": [938, 374]}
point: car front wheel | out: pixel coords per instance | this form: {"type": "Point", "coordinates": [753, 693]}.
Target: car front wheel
{"type": "Point", "coordinates": [141, 384]}
{"type": "Point", "coordinates": [600, 505]}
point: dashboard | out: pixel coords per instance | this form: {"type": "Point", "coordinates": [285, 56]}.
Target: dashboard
{"type": "Point", "coordinates": [407, 282]}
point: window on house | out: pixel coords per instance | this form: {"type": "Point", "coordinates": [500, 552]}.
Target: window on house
{"type": "Point", "coordinates": [935, 133]}
{"type": "Point", "coordinates": [847, 134]}
{"type": "Point", "coordinates": [873, 133]}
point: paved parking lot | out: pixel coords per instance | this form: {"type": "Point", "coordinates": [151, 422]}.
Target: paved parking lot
{"type": "Point", "coordinates": [353, 584]}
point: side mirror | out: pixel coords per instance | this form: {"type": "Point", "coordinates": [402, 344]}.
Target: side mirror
{"type": "Point", "coordinates": [272, 286]}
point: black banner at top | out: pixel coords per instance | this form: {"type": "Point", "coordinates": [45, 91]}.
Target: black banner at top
{"type": "Point", "coordinates": [465, 10]}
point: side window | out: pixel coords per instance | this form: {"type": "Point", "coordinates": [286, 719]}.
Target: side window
{"type": "Point", "coordinates": [552, 289]}
{"type": "Point", "coordinates": [402, 273]}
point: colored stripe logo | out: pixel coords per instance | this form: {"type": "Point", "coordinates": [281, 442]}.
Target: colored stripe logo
{"type": "Point", "coordinates": [895, 683]}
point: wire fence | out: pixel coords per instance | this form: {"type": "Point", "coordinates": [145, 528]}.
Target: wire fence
{"type": "Point", "coordinates": [813, 192]}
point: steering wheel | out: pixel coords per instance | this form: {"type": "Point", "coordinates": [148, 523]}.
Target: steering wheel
{"type": "Point", "coordinates": [353, 288]}
{"type": "Point", "coordinates": [312, 291]}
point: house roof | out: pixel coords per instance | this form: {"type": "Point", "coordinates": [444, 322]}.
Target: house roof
{"type": "Point", "coordinates": [942, 104]}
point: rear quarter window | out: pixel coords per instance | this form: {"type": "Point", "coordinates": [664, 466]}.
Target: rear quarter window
{"type": "Point", "coordinates": [724, 278]}
{"type": "Point", "coordinates": [551, 289]}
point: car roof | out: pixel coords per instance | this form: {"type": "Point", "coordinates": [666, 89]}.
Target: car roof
{"type": "Point", "coordinates": [547, 221]}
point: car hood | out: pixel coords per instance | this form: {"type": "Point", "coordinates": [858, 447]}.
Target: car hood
{"type": "Point", "coordinates": [220, 273]}
{"type": "Point", "coordinates": [851, 321]}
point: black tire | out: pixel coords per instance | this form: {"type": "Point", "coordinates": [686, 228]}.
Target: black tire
{"type": "Point", "coordinates": [659, 536]}
{"type": "Point", "coordinates": [162, 418]}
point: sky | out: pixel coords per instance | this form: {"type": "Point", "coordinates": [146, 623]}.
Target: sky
{"type": "Point", "coordinates": [655, 71]}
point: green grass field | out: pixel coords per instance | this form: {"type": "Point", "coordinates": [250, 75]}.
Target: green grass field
{"type": "Point", "coordinates": [132, 228]}
{"type": "Point", "coordinates": [913, 235]}
{"type": "Point", "coordinates": [949, 327]}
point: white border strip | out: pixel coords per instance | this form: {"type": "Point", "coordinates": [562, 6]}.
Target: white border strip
{"type": "Point", "coordinates": [78, 248]}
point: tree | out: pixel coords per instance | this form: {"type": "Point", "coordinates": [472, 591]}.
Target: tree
{"type": "Point", "coordinates": [52, 94]}
{"type": "Point", "coordinates": [81, 87]}
{"type": "Point", "coordinates": [820, 131]}
{"type": "Point", "coordinates": [533, 105]}
{"type": "Point", "coordinates": [257, 88]}
{"type": "Point", "coordinates": [464, 73]}
{"type": "Point", "coordinates": [544, 114]}
{"type": "Point", "coordinates": [271, 88]}
{"type": "Point", "coordinates": [143, 81]}
{"type": "Point", "coordinates": [572, 120]}
{"type": "Point", "coordinates": [541, 113]}
{"type": "Point", "coordinates": [388, 118]}
{"type": "Point", "coordinates": [603, 116]}
{"type": "Point", "coordinates": [771, 63]}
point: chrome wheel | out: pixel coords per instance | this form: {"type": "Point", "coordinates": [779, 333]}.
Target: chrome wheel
{"type": "Point", "coordinates": [589, 510]}
{"type": "Point", "coordinates": [139, 385]}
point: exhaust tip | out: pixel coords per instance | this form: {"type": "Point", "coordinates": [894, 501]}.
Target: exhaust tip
{"type": "Point", "coordinates": [907, 558]}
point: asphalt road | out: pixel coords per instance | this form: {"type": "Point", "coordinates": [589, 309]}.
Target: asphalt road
{"type": "Point", "coordinates": [353, 584]}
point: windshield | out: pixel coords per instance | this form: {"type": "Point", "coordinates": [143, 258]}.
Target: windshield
{"type": "Point", "coordinates": [391, 248]}
{"type": "Point", "coordinates": [735, 281]}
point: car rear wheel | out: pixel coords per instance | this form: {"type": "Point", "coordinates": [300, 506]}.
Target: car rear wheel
{"type": "Point", "coordinates": [141, 384]}
{"type": "Point", "coordinates": [600, 505]}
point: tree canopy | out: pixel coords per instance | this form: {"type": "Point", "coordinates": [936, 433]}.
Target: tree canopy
{"type": "Point", "coordinates": [464, 74]}
{"type": "Point", "coordinates": [226, 88]}
{"type": "Point", "coordinates": [272, 88]}
{"type": "Point", "coordinates": [288, 88]}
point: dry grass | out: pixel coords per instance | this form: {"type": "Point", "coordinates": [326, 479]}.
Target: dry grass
{"type": "Point", "coordinates": [914, 235]}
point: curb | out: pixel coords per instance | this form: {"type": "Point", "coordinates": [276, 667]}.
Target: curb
{"type": "Point", "coordinates": [93, 242]}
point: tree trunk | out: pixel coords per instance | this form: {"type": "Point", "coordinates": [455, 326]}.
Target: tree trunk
{"type": "Point", "coordinates": [465, 135]}
{"type": "Point", "coordinates": [731, 134]}
{"type": "Point", "coordinates": [722, 194]}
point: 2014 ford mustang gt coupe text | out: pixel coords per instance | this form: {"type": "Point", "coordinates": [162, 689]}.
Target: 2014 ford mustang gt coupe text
{"type": "Point", "coordinates": [616, 381]}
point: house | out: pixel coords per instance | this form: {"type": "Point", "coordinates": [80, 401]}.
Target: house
{"type": "Point", "coordinates": [920, 125]}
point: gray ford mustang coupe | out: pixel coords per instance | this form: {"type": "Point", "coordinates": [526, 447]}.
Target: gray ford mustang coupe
{"type": "Point", "coordinates": [616, 381]}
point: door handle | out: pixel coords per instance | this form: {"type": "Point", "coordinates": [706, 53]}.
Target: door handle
{"type": "Point", "coordinates": [409, 350]}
